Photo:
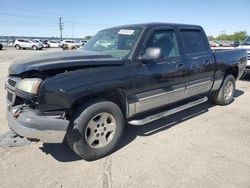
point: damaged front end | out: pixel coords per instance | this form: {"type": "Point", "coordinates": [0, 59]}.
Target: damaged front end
{"type": "Point", "coordinates": [26, 120]}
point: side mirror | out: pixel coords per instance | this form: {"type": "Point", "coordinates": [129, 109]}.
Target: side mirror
{"type": "Point", "coordinates": [151, 54]}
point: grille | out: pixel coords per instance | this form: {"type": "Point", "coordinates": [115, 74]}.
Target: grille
{"type": "Point", "coordinates": [10, 96]}
{"type": "Point", "coordinates": [12, 82]}
{"type": "Point", "coordinates": [11, 87]}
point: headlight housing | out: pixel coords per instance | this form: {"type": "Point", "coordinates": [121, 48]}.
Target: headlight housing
{"type": "Point", "coordinates": [29, 85]}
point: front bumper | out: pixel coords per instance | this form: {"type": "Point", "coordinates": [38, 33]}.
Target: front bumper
{"type": "Point", "coordinates": [29, 124]}
{"type": "Point", "coordinates": [248, 64]}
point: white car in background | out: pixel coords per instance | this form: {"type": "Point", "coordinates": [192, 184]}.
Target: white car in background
{"type": "Point", "coordinates": [246, 45]}
{"type": "Point", "coordinates": [69, 45]}
{"type": "Point", "coordinates": [79, 43]}
{"type": "Point", "coordinates": [54, 44]}
{"type": "Point", "coordinates": [38, 41]}
{"type": "Point", "coordinates": [27, 44]}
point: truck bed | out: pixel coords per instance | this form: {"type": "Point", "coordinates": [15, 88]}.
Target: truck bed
{"type": "Point", "coordinates": [230, 57]}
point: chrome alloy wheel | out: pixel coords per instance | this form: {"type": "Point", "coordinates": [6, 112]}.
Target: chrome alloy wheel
{"type": "Point", "coordinates": [100, 130]}
{"type": "Point", "coordinates": [228, 90]}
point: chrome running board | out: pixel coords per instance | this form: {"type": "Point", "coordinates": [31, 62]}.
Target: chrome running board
{"type": "Point", "coordinates": [160, 115]}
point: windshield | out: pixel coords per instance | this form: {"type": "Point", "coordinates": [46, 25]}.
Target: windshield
{"type": "Point", "coordinates": [117, 42]}
{"type": "Point", "coordinates": [246, 42]}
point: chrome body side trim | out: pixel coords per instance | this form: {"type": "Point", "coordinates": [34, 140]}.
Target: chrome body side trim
{"type": "Point", "coordinates": [198, 84]}
{"type": "Point", "coordinates": [160, 94]}
{"type": "Point", "coordinates": [159, 97]}
{"type": "Point", "coordinates": [131, 110]}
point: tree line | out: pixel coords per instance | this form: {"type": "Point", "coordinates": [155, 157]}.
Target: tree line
{"type": "Point", "coordinates": [236, 36]}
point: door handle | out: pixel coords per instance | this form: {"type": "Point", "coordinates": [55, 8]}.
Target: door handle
{"type": "Point", "coordinates": [180, 66]}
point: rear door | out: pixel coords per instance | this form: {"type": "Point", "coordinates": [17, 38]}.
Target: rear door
{"type": "Point", "coordinates": [160, 82]}
{"type": "Point", "coordinates": [27, 44]}
{"type": "Point", "coordinates": [198, 61]}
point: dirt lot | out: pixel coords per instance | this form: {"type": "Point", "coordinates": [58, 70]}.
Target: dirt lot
{"type": "Point", "coordinates": [206, 146]}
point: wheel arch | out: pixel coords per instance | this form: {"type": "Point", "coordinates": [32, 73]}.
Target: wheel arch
{"type": "Point", "coordinates": [117, 96]}
{"type": "Point", "coordinates": [233, 71]}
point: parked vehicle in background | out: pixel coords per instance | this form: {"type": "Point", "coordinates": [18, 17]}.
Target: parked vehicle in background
{"type": "Point", "coordinates": [79, 43]}
{"type": "Point", "coordinates": [236, 43]}
{"type": "Point", "coordinates": [1, 46]}
{"type": "Point", "coordinates": [54, 44]}
{"type": "Point", "coordinates": [27, 44]}
{"type": "Point", "coordinates": [45, 43]}
{"type": "Point", "coordinates": [214, 44]}
{"type": "Point", "coordinates": [246, 45]}
{"type": "Point", "coordinates": [84, 42]}
{"type": "Point", "coordinates": [123, 74]}
{"type": "Point", "coordinates": [38, 41]}
{"type": "Point", "coordinates": [69, 45]}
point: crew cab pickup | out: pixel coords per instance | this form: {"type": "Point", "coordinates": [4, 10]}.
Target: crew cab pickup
{"type": "Point", "coordinates": [134, 73]}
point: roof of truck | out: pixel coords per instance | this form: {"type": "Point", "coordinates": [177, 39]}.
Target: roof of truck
{"type": "Point", "coordinates": [157, 24]}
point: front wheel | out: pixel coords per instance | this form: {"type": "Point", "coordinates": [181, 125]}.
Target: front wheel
{"type": "Point", "coordinates": [18, 47]}
{"type": "Point", "coordinates": [96, 129]}
{"type": "Point", "coordinates": [225, 94]}
{"type": "Point", "coordinates": [34, 47]}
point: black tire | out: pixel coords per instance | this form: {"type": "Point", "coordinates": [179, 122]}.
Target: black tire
{"type": "Point", "coordinates": [18, 47]}
{"type": "Point", "coordinates": [219, 96]}
{"type": "Point", "coordinates": [34, 47]}
{"type": "Point", "coordinates": [1, 46]}
{"type": "Point", "coordinates": [76, 135]}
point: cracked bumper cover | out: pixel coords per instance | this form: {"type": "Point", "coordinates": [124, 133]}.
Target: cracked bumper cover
{"type": "Point", "coordinates": [29, 124]}
{"type": "Point", "coordinates": [248, 68]}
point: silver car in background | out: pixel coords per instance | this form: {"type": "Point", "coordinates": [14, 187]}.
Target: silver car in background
{"type": "Point", "coordinates": [27, 44]}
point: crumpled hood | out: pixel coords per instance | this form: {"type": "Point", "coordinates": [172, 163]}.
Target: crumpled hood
{"type": "Point", "coordinates": [62, 60]}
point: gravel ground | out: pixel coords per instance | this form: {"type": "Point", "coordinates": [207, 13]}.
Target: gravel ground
{"type": "Point", "coordinates": [206, 146]}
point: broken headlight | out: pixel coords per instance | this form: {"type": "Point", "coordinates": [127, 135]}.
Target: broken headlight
{"type": "Point", "coordinates": [29, 85]}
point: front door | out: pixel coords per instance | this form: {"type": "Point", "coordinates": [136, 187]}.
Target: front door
{"type": "Point", "coordinates": [160, 82]}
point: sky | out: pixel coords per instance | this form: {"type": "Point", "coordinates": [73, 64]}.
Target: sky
{"type": "Point", "coordinates": [82, 18]}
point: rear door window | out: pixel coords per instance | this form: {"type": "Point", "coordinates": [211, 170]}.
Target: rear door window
{"type": "Point", "coordinates": [193, 41]}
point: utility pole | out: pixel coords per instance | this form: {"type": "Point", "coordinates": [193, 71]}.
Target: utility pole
{"type": "Point", "coordinates": [61, 26]}
{"type": "Point", "coordinates": [223, 33]}
{"type": "Point", "coordinates": [73, 27]}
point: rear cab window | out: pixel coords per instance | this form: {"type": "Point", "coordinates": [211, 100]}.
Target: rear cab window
{"type": "Point", "coordinates": [194, 42]}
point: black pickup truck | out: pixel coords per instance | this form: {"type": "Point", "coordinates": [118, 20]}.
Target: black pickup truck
{"type": "Point", "coordinates": [123, 74]}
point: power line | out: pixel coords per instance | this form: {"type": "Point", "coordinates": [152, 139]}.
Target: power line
{"type": "Point", "coordinates": [65, 15]}
{"type": "Point", "coordinates": [42, 19]}
{"type": "Point", "coordinates": [28, 17]}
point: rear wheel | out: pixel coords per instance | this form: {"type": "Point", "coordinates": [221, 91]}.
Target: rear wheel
{"type": "Point", "coordinates": [96, 129]}
{"type": "Point", "coordinates": [225, 94]}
